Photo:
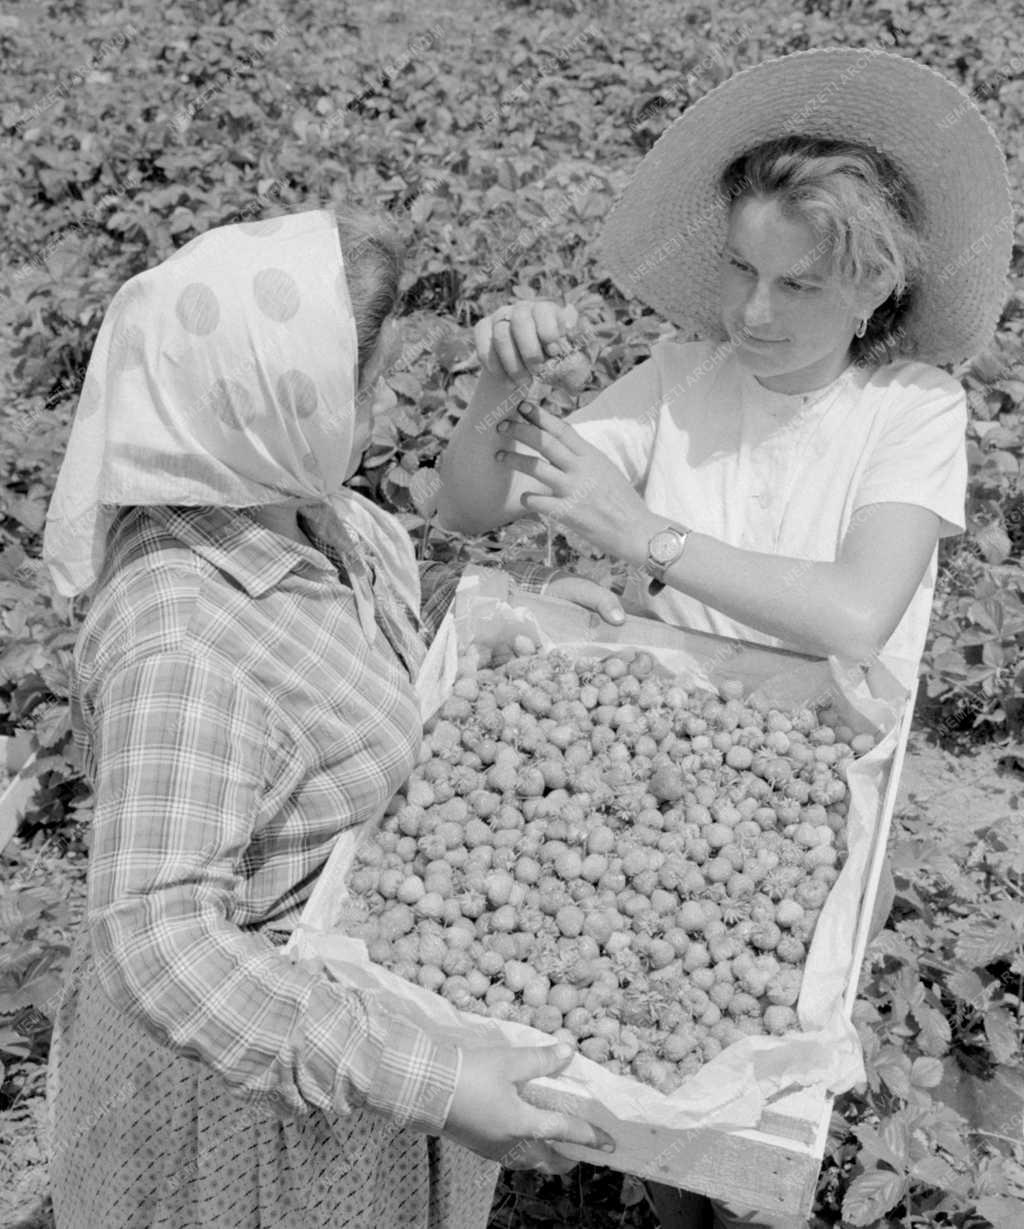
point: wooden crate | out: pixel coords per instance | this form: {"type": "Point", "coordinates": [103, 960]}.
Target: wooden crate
{"type": "Point", "coordinates": [773, 1167]}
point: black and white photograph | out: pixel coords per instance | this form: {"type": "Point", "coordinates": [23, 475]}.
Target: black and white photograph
{"type": "Point", "coordinates": [512, 614]}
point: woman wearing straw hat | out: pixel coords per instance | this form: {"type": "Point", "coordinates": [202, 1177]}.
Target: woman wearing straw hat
{"type": "Point", "coordinates": [827, 237]}
{"type": "Point", "coordinates": [243, 695]}
{"type": "Point", "coordinates": [784, 478]}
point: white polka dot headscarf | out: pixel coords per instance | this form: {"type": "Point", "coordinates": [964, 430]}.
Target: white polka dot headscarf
{"type": "Point", "coordinates": [224, 376]}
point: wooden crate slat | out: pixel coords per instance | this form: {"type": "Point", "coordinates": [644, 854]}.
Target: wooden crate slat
{"type": "Point", "coordinates": [879, 849]}
{"type": "Point", "coordinates": [740, 1169]}
{"type": "Point", "coordinates": [748, 1168]}
{"type": "Point", "coordinates": [783, 1125]}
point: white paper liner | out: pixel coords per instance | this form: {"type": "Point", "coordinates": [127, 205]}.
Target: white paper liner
{"type": "Point", "coordinates": [731, 1090]}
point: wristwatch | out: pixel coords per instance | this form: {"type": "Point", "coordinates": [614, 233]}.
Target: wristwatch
{"type": "Point", "coordinates": [663, 549]}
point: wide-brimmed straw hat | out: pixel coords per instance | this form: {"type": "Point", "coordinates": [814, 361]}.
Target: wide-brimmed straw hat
{"type": "Point", "coordinates": [663, 239]}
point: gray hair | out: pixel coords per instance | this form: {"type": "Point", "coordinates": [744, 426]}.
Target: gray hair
{"type": "Point", "coordinates": [374, 256]}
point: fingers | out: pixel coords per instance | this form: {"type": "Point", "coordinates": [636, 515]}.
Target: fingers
{"type": "Point", "coordinates": [535, 1154]}
{"type": "Point", "coordinates": [609, 609]}
{"type": "Point", "coordinates": [541, 328]}
{"type": "Point", "coordinates": [524, 332]}
{"type": "Point", "coordinates": [482, 342]}
{"type": "Point", "coordinates": [515, 341]}
{"type": "Point", "coordinates": [536, 467]}
{"type": "Point", "coordinates": [553, 324]}
{"type": "Point", "coordinates": [524, 1154]}
{"type": "Point", "coordinates": [493, 1111]}
{"type": "Point", "coordinates": [555, 1128]}
{"type": "Point", "coordinates": [524, 1063]}
{"type": "Point", "coordinates": [490, 359]}
{"type": "Point", "coordinates": [536, 503]}
{"type": "Point", "coordinates": [551, 447]}
{"type": "Point", "coordinates": [589, 595]}
{"type": "Point", "coordinates": [508, 345]}
{"type": "Point", "coordinates": [550, 424]}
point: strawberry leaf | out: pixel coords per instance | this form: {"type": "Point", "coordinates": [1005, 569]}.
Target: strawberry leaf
{"type": "Point", "coordinates": [1002, 1034]}
{"type": "Point", "coordinates": [926, 1072]}
{"type": "Point", "coordinates": [871, 1195]}
{"type": "Point", "coordinates": [935, 1034]}
{"type": "Point", "coordinates": [969, 987]}
{"type": "Point", "coordinates": [984, 943]}
{"type": "Point", "coordinates": [887, 1145]}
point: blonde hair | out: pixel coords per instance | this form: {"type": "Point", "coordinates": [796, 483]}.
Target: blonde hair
{"type": "Point", "coordinates": [863, 209]}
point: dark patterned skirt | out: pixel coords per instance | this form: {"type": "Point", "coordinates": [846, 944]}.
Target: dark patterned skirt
{"type": "Point", "coordinates": [143, 1137]}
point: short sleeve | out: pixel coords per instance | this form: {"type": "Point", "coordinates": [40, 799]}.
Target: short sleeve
{"type": "Point", "coordinates": [920, 456]}
{"type": "Point", "coordinates": [622, 420]}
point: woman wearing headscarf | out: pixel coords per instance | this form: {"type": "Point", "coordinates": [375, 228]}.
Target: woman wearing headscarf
{"type": "Point", "coordinates": [243, 693]}
{"type": "Point", "coordinates": [829, 227]}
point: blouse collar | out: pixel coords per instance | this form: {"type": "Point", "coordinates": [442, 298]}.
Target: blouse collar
{"type": "Point", "coordinates": [785, 405]}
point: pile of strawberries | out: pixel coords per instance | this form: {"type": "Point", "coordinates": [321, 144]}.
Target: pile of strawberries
{"type": "Point", "coordinates": [591, 849]}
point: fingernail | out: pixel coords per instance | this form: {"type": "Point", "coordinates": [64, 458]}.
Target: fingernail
{"type": "Point", "coordinates": [499, 456]}
{"type": "Point", "coordinates": [607, 1145]}
{"type": "Point", "coordinates": [502, 428]}
{"type": "Point", "coordinates": [563, 1051]}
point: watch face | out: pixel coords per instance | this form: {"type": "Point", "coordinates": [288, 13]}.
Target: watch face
{"type": "Point", "coordinates": [664, 546]}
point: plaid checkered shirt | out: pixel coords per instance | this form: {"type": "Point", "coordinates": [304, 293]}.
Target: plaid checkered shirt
{"type": "Point", "coordinates": [234, 721]}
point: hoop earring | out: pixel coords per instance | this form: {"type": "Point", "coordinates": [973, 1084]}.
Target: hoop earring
{"type": "Point", "coordinates": [862, 328]}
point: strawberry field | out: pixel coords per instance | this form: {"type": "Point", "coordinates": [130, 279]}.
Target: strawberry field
{"type": "Point", "coordinates": [497, 137]}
